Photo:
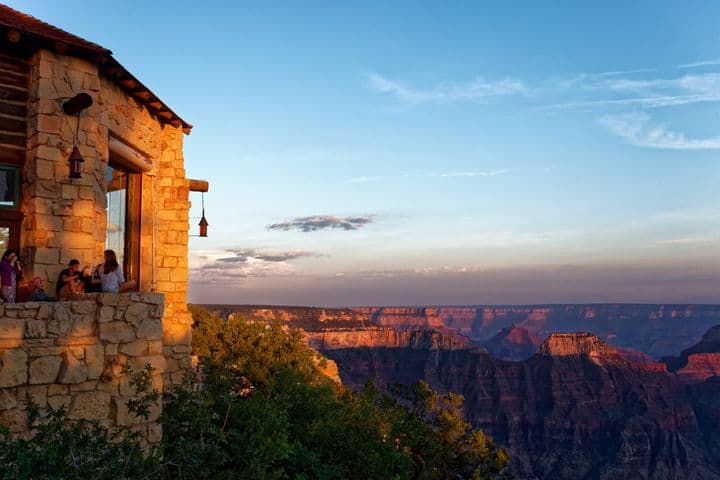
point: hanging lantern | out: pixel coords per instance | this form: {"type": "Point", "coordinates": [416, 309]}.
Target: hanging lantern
{"type": "Point", "coordinates": [203, 225]}
{"type": "Point", "coordinates": [203, 221]}
{"type": "Point", "coordinates": [74, 106]}
{"type": "Point", "coordinates": [75, 161]}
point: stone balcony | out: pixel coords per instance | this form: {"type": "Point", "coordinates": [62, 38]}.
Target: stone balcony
{"type": "Point", "coordinates": [74, 354]}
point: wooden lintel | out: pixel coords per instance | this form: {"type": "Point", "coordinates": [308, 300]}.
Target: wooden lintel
{"type": "Point", "coordinates": [198, 185]}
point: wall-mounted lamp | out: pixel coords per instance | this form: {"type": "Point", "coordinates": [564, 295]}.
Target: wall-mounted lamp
{"type": "Point", "coordinates": [75, 161]}
{"type": "Point", "coordinates": [74, 106]}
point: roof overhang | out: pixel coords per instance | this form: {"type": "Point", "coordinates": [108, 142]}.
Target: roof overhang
{"type": "Point", "coordinates": [25, 33]}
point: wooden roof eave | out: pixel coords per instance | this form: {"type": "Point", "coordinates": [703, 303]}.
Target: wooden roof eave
{"type": "Point", "coordinates": [128, 82]}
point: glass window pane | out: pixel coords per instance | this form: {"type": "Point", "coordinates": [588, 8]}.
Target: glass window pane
{"type": "Point", "coordinates": [116, 212]}
{"type": "Point", "coordinates": [4, 238]}
{"type": "Point", "coordinates": [8, 186]}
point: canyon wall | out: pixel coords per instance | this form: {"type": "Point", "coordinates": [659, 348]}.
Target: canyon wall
{"type": "Point", "coordinates": [655, 330]}
{"type": "Point", "coordinates": [577, 409]}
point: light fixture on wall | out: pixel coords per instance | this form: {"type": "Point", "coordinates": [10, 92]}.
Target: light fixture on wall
{"type": "Point", "coordinates": [203, 221]}
{"type": "Point", "coordinates": [74, 106]}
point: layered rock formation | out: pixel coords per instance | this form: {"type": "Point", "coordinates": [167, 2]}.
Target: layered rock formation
{"type": "Point", "coordinates": [699, 362]}
{"type": "Point", "coordinates": [577, 409]}
{"type": "Point", "coordinates": [512, 343]}
{"type": "Point", "coordinates": [654, 330]}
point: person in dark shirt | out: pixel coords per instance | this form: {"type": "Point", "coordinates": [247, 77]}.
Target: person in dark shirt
{"type": "Point", "coordinates": [69, 281]}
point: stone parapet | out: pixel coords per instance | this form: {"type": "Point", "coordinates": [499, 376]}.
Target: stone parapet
{"type": "Point", "coordinates": [74, 354]}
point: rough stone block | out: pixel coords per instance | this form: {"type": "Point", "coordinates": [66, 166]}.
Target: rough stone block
{"type": "Point", "coordinates": [95, 360]}
{"type": "Point", "coordinates": [14, 370]}
{"type": "Point", "coordinates": [105, 314]}
{"type": "Point", "coordinates": [150, 328]}
{"type": "Point", "coordinates": [136, 313]}
{"type": "Point", "coordinates": [94, 405]}
{"type": "Point", "coordinates": [83, 325]}
{"type": "Point", "coordinates": [59, 401]}
{"type": "Point", "coordinates": [44, 369]}
{"type": "Point", "coordinates": [36, 329]}
{"type": "Point", "coordinates": [72, 370]}
{"type": "Point", "coordinates": [134, 349]}
{"type": "Point", "coordinates": [117, 332]}
{"type": "Point", "coordinates": [8, 399]}
{"type": "Point", "coordinates": [61, 321]}
{"type": "Point", "coordinates": [11, 327]}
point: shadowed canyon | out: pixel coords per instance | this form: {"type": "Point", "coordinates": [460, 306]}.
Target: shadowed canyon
{"type": "Point", "coordinates": [635, 396]}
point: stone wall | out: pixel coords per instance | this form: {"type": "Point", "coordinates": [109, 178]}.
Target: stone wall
{"type": "Point", "coordinates": [66, 218]}
{"type": "Point", "coordinates": [73, 354]}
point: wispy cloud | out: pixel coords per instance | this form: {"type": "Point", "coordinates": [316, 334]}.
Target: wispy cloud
{"type": "Point", "coordinates": [637, 129]}
{"type": "Point", "coordinates": [467, 174]}
{"type": "Point", "coordinates": [476, 91]}
{"type": "Point", "coordinates": [323, 222]}
{"type": "Point", "coordinates": [232, 265]}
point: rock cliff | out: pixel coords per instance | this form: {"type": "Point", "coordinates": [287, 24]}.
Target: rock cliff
{"type": "Point", "coordinates": [699, 362]}
{"type": "Point", "coordinates": [512, 343]}
{"type": "Point", "coordinates": [577, 409]}
{"type": "Point", "coordinates": [654, 330]}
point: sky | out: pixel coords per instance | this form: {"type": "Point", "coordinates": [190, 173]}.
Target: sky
{"type": "Point", "coordinates": [425, 153]}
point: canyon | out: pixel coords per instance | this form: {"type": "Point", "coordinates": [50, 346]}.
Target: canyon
{"type": "Point", "coordinates": [654, 330]}
{"type": "Point", "coordinates": [633, 396]}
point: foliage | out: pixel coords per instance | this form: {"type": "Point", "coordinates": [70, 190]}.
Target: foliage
{"type": "Point", "coordinates": [262, 410]}
{"type": "Point", "coordinates": [266, 412]}
{"type": "Point", "coordinates": [62, 449]}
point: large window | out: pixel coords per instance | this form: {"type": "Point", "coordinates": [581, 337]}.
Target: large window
{"type": "Point", "coordinates": [123, 218]}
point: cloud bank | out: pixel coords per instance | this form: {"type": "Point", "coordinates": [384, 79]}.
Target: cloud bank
{"type": "Point", "coordinates": [323, 222]}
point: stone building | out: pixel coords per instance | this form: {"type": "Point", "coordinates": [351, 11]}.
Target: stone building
{"type": "Point", "coordinates": [61, 95]}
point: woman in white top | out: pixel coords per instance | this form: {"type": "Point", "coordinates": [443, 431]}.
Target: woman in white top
{"type": "Point", "coordinates": [111, 274]}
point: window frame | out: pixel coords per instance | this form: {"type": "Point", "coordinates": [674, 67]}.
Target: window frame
{"type": "Point", "coordinates": [133, 220]}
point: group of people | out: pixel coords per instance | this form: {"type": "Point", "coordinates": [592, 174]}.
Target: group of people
{"type": "Point", "coordinates": [106, 277]}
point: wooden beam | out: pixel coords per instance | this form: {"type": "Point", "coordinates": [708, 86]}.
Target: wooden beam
{"type": "Point", "coordinates": [142, 95]}
{"type": "Point", "coordinates": [128, 83]}
{"type": "Point", "coordinates": [198, 185]}
{"type": "Point", "coordinates": [155, 104]}
{"type": "Point", "coordinates": [176, 122]}
{"type": "Point", "coordinates": [165, 114]}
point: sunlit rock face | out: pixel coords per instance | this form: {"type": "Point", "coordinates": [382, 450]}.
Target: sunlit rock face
{"type": "Point", "coordinates": [579, 408]}
{"type": "Point", "coordinates": [512, 343]}
{"type": "Point", "coordinates": [652, 330]}
{"type": "Point", "coordinates": [699, 362]}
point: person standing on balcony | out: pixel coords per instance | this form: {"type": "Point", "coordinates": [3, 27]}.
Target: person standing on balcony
{"type": "Point", "coordinates": [9, 269]}
{"type": "Point", "coordinates": [111, 274]}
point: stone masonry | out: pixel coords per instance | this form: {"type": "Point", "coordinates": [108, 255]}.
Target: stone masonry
{"type": "Point", "coordinates": [73, 354]}
{"type": "Point", "coordinates": [66, 218]}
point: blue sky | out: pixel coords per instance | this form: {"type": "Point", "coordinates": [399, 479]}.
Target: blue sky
{"type": "Point", "coordinates": [462, 153]}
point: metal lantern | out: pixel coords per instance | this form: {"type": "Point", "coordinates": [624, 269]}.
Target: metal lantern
{"type": "Point", "coordinates": [203, 221]}
{"type": "Point", "coordinates": [74, 106]}
{"type": "Point", "coordinates": [75, 161]}
{"type": "Point", "coordinates": [203, 226]}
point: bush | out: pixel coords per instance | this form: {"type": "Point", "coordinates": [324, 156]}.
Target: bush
{"type": "Point", "coordinates": [265, 411]}
{"type": "Point", "coordinates": [62, 449]}
{"type": "Point", "coordinates": [262, 410]}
